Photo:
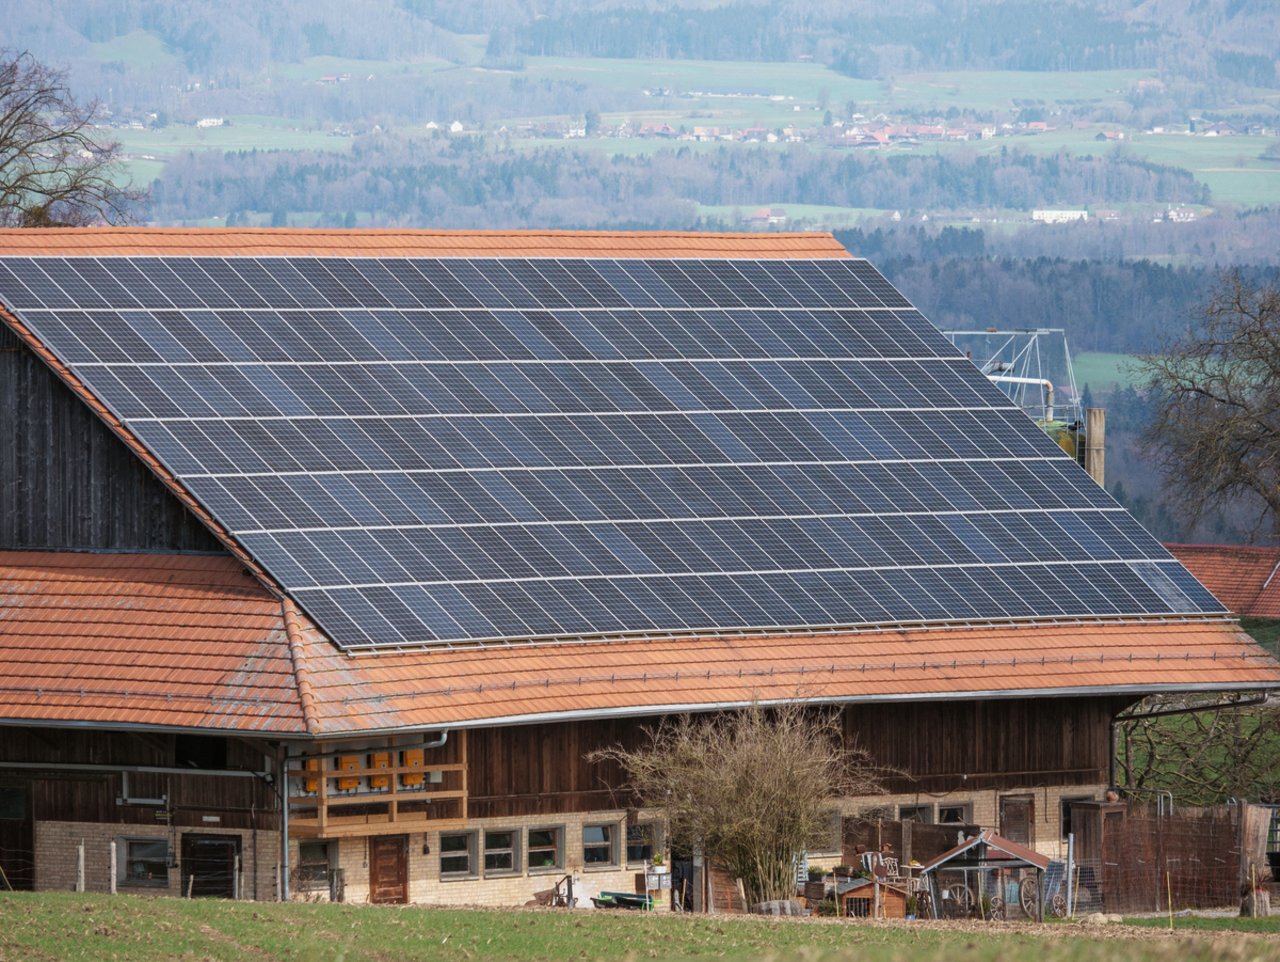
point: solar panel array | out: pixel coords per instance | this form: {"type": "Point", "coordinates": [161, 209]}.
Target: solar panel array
{"type": "Point", "coordinates": [452, 451]}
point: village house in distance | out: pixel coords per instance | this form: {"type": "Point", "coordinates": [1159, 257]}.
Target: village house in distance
{"type": "Point", "coordinates": [327, 557]}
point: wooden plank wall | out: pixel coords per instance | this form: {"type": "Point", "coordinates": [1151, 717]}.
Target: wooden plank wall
{"type": "Point", "coordinates": [66, 481]}
{"type": "Point", "coordinates": [542, 769]}
{"type": "Point", "coordinates": [974, 745]}
{"type": "Point", "coordinates": [79, 796]}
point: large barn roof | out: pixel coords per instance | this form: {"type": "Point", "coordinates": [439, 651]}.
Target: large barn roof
{"type": "Point", "coordinates": [724, 467]}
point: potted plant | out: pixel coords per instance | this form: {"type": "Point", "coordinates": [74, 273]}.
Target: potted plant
{"type": "Point", "coordinates": [843, 871]}
{"type": "Point", "coordinates": [913, 906]}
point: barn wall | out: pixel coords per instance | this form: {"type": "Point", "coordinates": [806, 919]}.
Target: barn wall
{"type": "Point", "coordinates": [936, 747]}
{"type": "Point", "coordinates": [67, 481]}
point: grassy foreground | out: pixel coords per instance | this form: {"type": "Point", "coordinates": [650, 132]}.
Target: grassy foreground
{"type": "Point", "coordinates": [61, 926]}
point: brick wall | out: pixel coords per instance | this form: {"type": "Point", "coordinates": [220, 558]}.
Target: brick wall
{"type": "Point", "coordinates": [489, 888]}
{"type": "Point", "coordinates": [57, 843]}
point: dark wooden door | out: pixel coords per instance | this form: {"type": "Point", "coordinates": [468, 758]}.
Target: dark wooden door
{"type": "Point", "coordinates": [389, 869]}
{"type": "Point", "coordinates": [17, 839]}
{"type": "Point", "coordinates": [1017, 819]}
{"type": "Point", "coordinates": [209, 865]}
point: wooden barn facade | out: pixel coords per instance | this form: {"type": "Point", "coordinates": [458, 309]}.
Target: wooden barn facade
{"type": "Point", "coordinates": [179, 719]}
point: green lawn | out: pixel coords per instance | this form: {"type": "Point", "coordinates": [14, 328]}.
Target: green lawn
{"type": "Point", "coordinates": [997, 90]}
{"type": "Point", "coordinates": [90, 928]}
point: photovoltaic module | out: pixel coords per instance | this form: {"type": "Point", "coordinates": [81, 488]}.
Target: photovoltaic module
{"type": "Point", "coordinates": [455, 451]}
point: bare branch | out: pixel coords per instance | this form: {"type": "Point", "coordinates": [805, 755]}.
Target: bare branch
{"type": "Point", "coordinates": [53, 169]}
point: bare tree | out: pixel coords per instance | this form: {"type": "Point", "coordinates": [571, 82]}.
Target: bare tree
{"type": "Point", "coordinates": [1203, 757]}
{"type": "Point", "coordinates": [1217, 432]}
{"type": "Point", "coordinates": [750, 789]}
{"type": "Point", "coordinates": [53, 169]}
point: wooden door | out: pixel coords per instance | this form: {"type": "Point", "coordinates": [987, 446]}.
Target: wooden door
{"type": "Point", "coordinates": [17, 839]}
{"type": "Point", "coordinates": [389, 869]}
{"type": "Point", "coordinates": [1017, 819]}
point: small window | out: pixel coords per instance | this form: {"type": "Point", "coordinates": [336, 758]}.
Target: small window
{"type": "Point", "coordinates": [955, 814]}
{"type": "Point", "coordinates": [499, 851]}
{"type": "Point", "coordinates": [916, 813]}
{"type": "Point", "coordinates": [640, 842]}
{"type": "Point", "coordinates": [145, 862]}
{"type": "Point", "coordinates": [313, 866]}
{"type": "Point", "coordinates": [544, 848]}
{"type": "Point", "coordinates": [458, 854]}
{"type": "Point", "coordinates": [598, 844]}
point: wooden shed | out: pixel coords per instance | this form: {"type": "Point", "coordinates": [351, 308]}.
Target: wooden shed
{"type": "Point", "coordinates": [865, 898]}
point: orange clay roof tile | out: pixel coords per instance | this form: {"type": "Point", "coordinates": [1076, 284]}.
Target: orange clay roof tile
{"type": "Point", "coordinates": [142, 639]}
{"type": "Point", "coordinates": [266, 242]}
{"type": "Point", "coordinates": [433, 688]}
{"type": "Point", "coordinates": [1245, 579]}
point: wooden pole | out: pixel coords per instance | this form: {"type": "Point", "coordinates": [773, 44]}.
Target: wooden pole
{"type": "Point", "coordinates": [1168, 881]}
{"type": "Point", "coordinates": [235, 879]}
{"type": "Point", "coordinates": [191, 881]}
{"type": "Point", "coordinates": [80, 866]}
{"type": "Point", "coordinates": [111, 881]}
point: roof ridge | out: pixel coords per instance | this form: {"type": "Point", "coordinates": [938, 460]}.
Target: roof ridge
{"type": "Point", "coordinates": [297, 658]}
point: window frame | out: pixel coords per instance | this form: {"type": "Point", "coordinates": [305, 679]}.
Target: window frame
{"type": "Point", "coordinates": [556, 848]}
{"type": "Point", "coordinates": [473, 864]}
{"type": "Point", "coordinates": [651, 830]}
{"type": "Point", "coordinates": [965, 809]}
{"type": "Point", "coordinates": [123, 875]}
{"type": "Point", "coordinates": [513, 850]}
{"type": "Point", "coordinates": [927, 808]}
{"type": "Point", "coordinates": [611, 843]}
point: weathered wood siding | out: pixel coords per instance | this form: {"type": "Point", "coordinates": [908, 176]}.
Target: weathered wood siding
{"type": "Point", "coordinates": [66, 481]}
{"type": "Point", "coordinates": [939, 747]}
{"type": "Point", "coordinates": [63, 795]}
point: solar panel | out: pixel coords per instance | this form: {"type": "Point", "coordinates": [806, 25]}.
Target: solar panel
{"type": "Point", "coordinates": [453, 451]}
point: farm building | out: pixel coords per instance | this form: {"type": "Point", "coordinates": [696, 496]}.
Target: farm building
{"type": "Point", "coordinates": [327, 557]}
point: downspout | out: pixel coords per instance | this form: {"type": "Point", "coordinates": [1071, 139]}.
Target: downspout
{"type": "Point", "coordinates": [284, 823]}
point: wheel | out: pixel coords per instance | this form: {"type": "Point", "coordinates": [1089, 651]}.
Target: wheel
{"type": "Point", "coordinates": [1029, 896]}
{"type": "Point", "coordinates": [1058, 906]}
{"type": "Point", "coordinates": [997, 909]}
{"type": "Point", "coordinates": [957, 901]}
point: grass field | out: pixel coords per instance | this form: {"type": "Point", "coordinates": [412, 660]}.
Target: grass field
{"type": "Point", "coordinates": [91, 928]}
{"type": "Point", "coordinates": [1104, 372]}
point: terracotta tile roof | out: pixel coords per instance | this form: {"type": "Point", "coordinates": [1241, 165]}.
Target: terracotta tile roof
{"type": "Point", "coordinates": [193, 641]}
{"type": "Point", "coordinates": [143, 639]}
{"type": "Point", "coordinates": [265, 242]}
{"type": "Point", "coordinates": [442, 688]}
{"type": "Point", "coordinates": [1245, 579]}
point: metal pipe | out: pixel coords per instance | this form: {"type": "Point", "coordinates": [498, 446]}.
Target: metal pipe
{"type": "Point", "coordinates": [284, 825]}
{"type": "Point", "coordinates": [136, 769]}
{"type": "Point", "coordinates": [1042, 382]}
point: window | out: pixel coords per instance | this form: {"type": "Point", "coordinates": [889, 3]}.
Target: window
{"type": "Point", "coordinates": [640, 839]}
{"type": "Point", "coordinates": [544, 847]}
{"type": "Point", "coordinates": [955, 814]}
{"type": "Point", "coordinates": [145, 862]}
{"type": "Point", "coordinates": [499, 851]}
{"type": "Point", "coordinates": [598, 844]}
{"type": "Point", "coordinates": [916, 813]}
{"type": "Point", "coordinates": [313, 866]}
{"type": "Point", "coordinates": [458, 854]}
{"type": "Point", "coordinates": [1065, 812]}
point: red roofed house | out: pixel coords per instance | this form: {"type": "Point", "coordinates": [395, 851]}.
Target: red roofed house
{"type": "Point", "coordinates": [175, 687]}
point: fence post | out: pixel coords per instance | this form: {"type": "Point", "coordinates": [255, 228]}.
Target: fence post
{"type": "Point", "coordinates": [111, 881]}
{"type": "Point", "coordinates": [1071, 867]}
{"type": "Point", "coordinates": [80, 866]}
{"type": "Point", "coordinates": [235, 880]}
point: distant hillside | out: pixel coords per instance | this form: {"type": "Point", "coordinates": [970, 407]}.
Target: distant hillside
{"type": "Point", "coordinates": [1233, 39]}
